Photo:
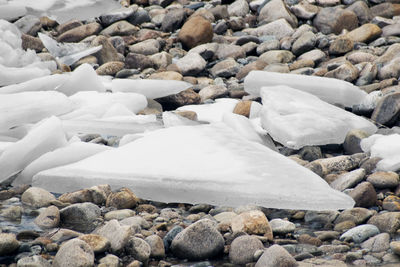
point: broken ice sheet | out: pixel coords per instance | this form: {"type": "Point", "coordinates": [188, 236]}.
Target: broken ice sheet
{"type": "Point", "coordinates": [386, 147]}
{"type": "Point", "coordinates": [12, 75]}
{"type": "Point", "coordinates": [171, 119]}
{"type": "Point", "coordinates": [193, 164]}
{"type": "Point", "coordinates": [62, 156]}
{"type": "Point", "coordinates": [213, 112]}
{"type": "Point", "coordinates": [331, 90]}
{"type": "Point", "coordinates": [150, 88]}
{"type": "Point", "coordinates": [31, 107]}
{"type": "Point", "coordinates": [296, 119]}
{"type": "Point", "coordinates": [67, 53]}
{"type": "Point", "coordinates": [46, 136]}
{"type": "Point", "coordinates": [46, 83]}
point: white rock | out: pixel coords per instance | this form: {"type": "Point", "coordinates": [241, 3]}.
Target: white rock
{"type": "Point", "coordinates": [296, 119]}
{"type": "Point", "coordinates": [330, 90]}
{"type": "Point", "coordinates": [149, 88]}
{"type": "Point", "coordinates": [31, 107]}
{"type": "Point", "coordinates": [62, 156]}
{"type": "Point", "coordinates": [193, 164]}
{"type": "Point", "coordinates": [46, 136]}
{"type": "Point", "coordinates": [386, 147]}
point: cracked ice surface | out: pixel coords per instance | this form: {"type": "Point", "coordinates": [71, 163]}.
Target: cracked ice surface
{"type": "Point", "coordinates": [386, 147]}
{"type": "Point", "coordinates": [46, 136]}
{"type": "Point", "coordinates": [215, 164]}
{"type": "Point", "coordinates": [31, 107]}
{"type": "Point", "coordinates": [331, 90]}
{"type": "Point", "coordinates": [296, 119]}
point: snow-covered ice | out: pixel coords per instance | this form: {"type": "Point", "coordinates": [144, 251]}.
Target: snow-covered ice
{"type": "Point", "coordinates": [295, 118]}
{"type": "Point", "coordinates": [30, 107]}
{"type": "Point", "coordinates": [213, 112]}
{"type": "Point", "coordinates": [150, 88]}
{"type": "Point", "coordinates": [386, 147]}
{"type": "Point", "coordinates": [62, 156]}
{"type": "Point", "coordinates": [12, 75]}
{"type": "Point", "coordinates": [171, 119]}
{"type": "Point", "coordinates": [46, 136]}
{"type": "Point", "coordinates": [46, 83]}
{"type": "Point", "coordinates": [331, 90]}
{"type": "Point", "coordinates": [243, 126]}
{"type": "Point", "coordinates": [193, 164]}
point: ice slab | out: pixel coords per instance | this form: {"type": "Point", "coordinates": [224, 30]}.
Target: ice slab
{"type": "Point", "coordinates": [296, 119]}
{"type": "Point", "coordinates": [83, 78]}
{"type": "Point", "coordinates": [12, 75]}
{"type": "Point", "coordinates": [150, 88]}
{"type": "Point", "coordinates": [71, 153]}
{"type": "Point", "coordinates": [4, 145]}
{"type": "Point", "coordinates": [98, 104]}
{"type": "Point", "coordinates": [170, 119]}
{"type": "Point", "coordinates": [193, 164]}
{"type": "Point", "coordinates": [213, 112]}
{"type": "Point", "coordinates": [46, 83]}
{"type": "Point", "coordinates": [386, 147]}
{"type": "Point", "coordinates": [243, 126]}
{"type": "Point", "coordinates": [67, 53]}
{"type": "Point", "coordinates": [11, 13]}
{"type": "Point", "coordinates": [30, 107]}
{"type": "Point", "coordinates": [46, 136]}
{"type": "Point", "coordinates": [331, 90]}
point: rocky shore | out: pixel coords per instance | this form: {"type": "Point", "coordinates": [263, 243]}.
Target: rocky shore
{"type": "Point", "coordinates": [213, 45]}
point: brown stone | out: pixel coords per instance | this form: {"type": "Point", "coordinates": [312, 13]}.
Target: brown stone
{"type": "Point", "coordinates": [334, 20]}
{"type": "Point", "coordinates": [364, 195]}
{"type": "Point", "coordinates": [123, 199]}
{"type": "Point", "coordinates": [252, 222]}
{"type": "Point", "coordinates": [187, 97]}
{"type": "Point", "coordinates": [30, 42]}
{"type": "Point", "coordinates": [167, 75]}
{"type": "Point", "coordinates": [391, 203]}
{"type": "Point", "coordinates": [340, 46]}
{"type": "Point", "coordinates": [365, 33]}
{"type": "Point", "coordinates": [307, 239]}
{"type": "Point", "coordinates": [255, 65]}
{"type": "Point", "coordinates": [99, 244]}
{"type": "Point", "coordinates": [243, 108]}
{"type": "Point", "coordinates": [138, 61]}
{"type": "Point", "coordinates": [79, 33]}
{"type": "Point", "coordinates": [195, 31]}
{"type": "Point", "coordinates": [108, 53]}
{"type": "Point", "coordinates": [388, 222]}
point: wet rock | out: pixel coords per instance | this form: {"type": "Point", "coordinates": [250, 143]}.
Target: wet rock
{"type": "Point", "coordinates": [364, 195]}
{"type": "Point", "coordinates": [81, 217]}
{"type": "Point", "coordinates": [356, 215]}
{"type": "Point", "coordinates": [334, 20]}
{"type": "Point", "coordinates": [138, 61]}
{"type": "Point", "coordinates": [388, 222]}
{"type": "Point", "coordinates": [79, 33]}
{"type": "Point", "coordinates": [173, 20]}
{"type": "Point", "coordinates": [48, 218]}
{"type": "Point", "coordinates": [120, 28]}
{"type": "Point", "coordinates": [117, 235]}
{"type": "Point", "coordinates": [252, 222]}
{"type": "Point", "coordinates": [341, 46]}
{"type": "Point", "coordinates": [384, 179]}
{"type": "Point", "coordinates": [276, 256]}
{"type": "Point", "coordinates": [360, 233]}
{"type": "Point", "coordinates": [276, 9]}
{"type": "Point", "coordinates": [74, 252]}
{"type": "Point", "coordinates": [99, 244]}
{"type": "Point", "coordinates": [37, 197]}
{"type": "Point", "coordinates": [365, 33]}
{"type": "Point", "coordinates": [199, 241]}
{"type": "Point", "coordinates": [377, 243]}
{"type": "Point", "coordinates": [157, 246]}
{"type": "Point", "coordinates": [243, 248]}
{"type": "Point", "coordinates": [122, 199]}
{"type": "Point", "coordinates": [8, 244]}
{"type": "Point", "coordinates": [195, 31]}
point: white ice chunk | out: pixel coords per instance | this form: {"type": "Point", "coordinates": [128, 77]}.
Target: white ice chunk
{"type": "Point", "coordinates": [171, 119]}
{"type": "Point", "coordinates": [193, 164]}
{"type": "Point", "coordinates": [129, 138]}
{"type": "Point", "coordinates": [331, 90]}
{"type": "Point", "coordinates": [242, 125]}
{"type": "Point", "coordinates": [11, 13]}
{"type": "Point", "coordinates": [12, 75]}
{"type": "Point", "coordinates": [255, 109]}
{"type": "Point", "coordinates": [150, 118]}
{"type": "Point", "coordinates": [296, 119]}
{"type": "Point", "coordinates": [212, 112]}
{"type": "Point", "coordinates": [4, 145]}
{"type": "Point", "coordinates": [31, 107]}
{"type": "Point", "coordinates": [97, 104]}
{"type": "Point", "coordinates": [386, 147]}
{"type": "Point", "coordinates": [83, 78]}
{"type": "Point", "coordinates": [118, 109]}
{"type": "Point", "coordinates": [18, 132]}
{"type": "Point", "coordinates": [67, 53]}
{"type": "Point", "coordinates": [46, 136]}
{"type": "Point", "coordinates": [150, 88]}
{"type": "Point", "coordinates": [71, 153]}
{"type": "Point", "coordinates": [46, 83]}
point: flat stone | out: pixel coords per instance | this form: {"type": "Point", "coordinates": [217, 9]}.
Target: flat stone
{"type": "Point", "coordinates": [391, 30]}
{"type": "Point", "coordinates": [138, 61]}
{"type": "Point", "coordinates": [191, 64]}
{"type": "Point", "coordinates": [356, 215]}
{"type": "Point", "coordinates": [348, 180]}
{"type": "Point", "coordinates": [346, 72]}
{"type": "Point", "coordinates": [360, 233]}
{"type": "Point", "coordinates": [365, 33]}
{"type": "Point", "coordinates": [79, 33]}
{"type": "Point", "coordinates": [147, 47]}
{"type": "Point", "coordinates": [280, 226]}
{"type": "Point", "coordinates": [279, 28]}
{"type": "Point", "coordinates": [277, 56]}
{"type": "Point", "coordinates": [117, 15]}
{"type": "Point", "coordinates": [391, 203]}
{"type": "Point", "coordinates": [120, 28]}
{"type": "Point", "coordinates": [341, 46]}
{"type": "Point", "coordinates": [213, 92]}
{"type": "Point", "coordinates": [33, 261]}
{"type": "Point", "coordinates": [119, 214]}
{"type": "Point", "coordinates": [377, 243]}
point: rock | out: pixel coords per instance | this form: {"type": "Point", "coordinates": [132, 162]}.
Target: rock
{"type": "Point", "coordinates": [305, 10]}
{"type": "Point", "coordinates": [213, 92]}
{"type": "Point", "coordinates": [391, 203]}
{"type": "Point", "coordinates": [277, 56]}
{"type": "Point", "coordinates": [304, 43]}
{"type": "Point", "coordinates": [307, 239]}
{"type": "Point", "coordinates": [386, 10]}
{"type": "Point", "coordinates": [364, 195]}
{"type": "Point", "coordinates": [8, 244]}
{"type": "Point", "coordinates": [74, 252]}
{"type": "Point", "coordinates": [29, 24]}
{"type": "Point", "coordinates": [195, 31]}
{"type": "Point", "coordinates": [156, 246]}
{"type": "Point", "coordinates": [395, 247]}
{"type": "Point", "coordinates": [226, 68]}
{"type": "Point", "coordinates": [110, 68]}
{"type": "Point", "coordinates": [334, 20]}
{"type": "Point", "coordinates": [230, 51]}
{"type": "Point", "coordinates": [117, 15]}
{"type": "Point", "coordinates": [122, 199]}
{"type": "Point", "coordinates": [191, 64]}
{"type": "Point", "coordinates": [356, 215]}
{"type": "Point", "coordinates": [320, 217]}
{"type": "Point", "coordinates": [239, 8]}
{"type": "Point", "coordinates": [79, 33]}
{"type": "Point", "coordinates": [139, 249]}
{"type": "Point", "coordinates": [120, 28]}
{"type": "Point", "coordinates": [344, 226]}
{"type": "Point", "coordinates": [315, 55]}
{"type": "Point", "coordinates": [276, 9]}
{"type": "Point", "coordinates": [348, 180]}
{"type": "Point", "coordinates": [360, 233]}
{"type": "Point", "coordinates": [388, 110]}
{"type": "Point", "coordinates": [384, 179]}
{"type": "Point", "coordinates": [138, 61]}
{"type": "Point", "coordinates": [255, 65]}
{"type": "Point", "coordinates": [199, 241]}
{"type": "Point", "coordinates": [351, 144]}
{"type": "Point", "coordinates": [341, 46]}
{"type": "Point", "coordinates": [276, 256]}
{"type": "Point", "coordinates": [37, 197]}
{"type": "Point", "coordinates": [377, 243]}
{"type": "Point", "coordinates": [268, 45]}
{"type": "Point", "coordinates": [30, 42]}
{"type": "Point", "coordinates": [68, 26]}
{"type": "Point", "coordinates": [147, 47]}
{"type": "Point", "coordinates": [117, 235]}
{"type": "Point", "coordinates": [391, 30]}
{"type": "Point", "coordinates": [161, 60]}
{"type": "Point", "coordinates": [119, 214]}
{"type": "Point", "coordinates": [13, 213]}
{"type": "Point", "coordinates": [48, 218]}
{"type": "Point", "coordinates": [310, 153]}
{"type": "Point", "coordinates": [346, 72]}
{"type": "Point", "coordinates": [361, 9]}
{"type": "Point", "coordinates": [108, 53]}
{"type": "Point", "coordinates": [252, 222]}
{"type": "Point", "coordinates": [243, 248]}
{"type": "Point", "coordinates": [280, 226]}
{"type": "Point", "coordinates": [186, 97]}
{"type": "Point", "coordinates": [99, 244]}
{"type": "Point", "coordinates": [365, 33]}
{"type": "Point", "coordinates": [243, 108]}
{"type": "Point", "coordinates": [109, 261]}
{"type": "Point", "coordinates": [33, 261]}
{"type": "Point", "coordinates": [173, 20]}
{"type": "Point", "coordinates": [80, 217]}
{"type": "Point", "coordinates": [279, 28]}
{"type": "Point", "coordinates": [388, 222]}
{"type": "Point", "coordinates": [169, 237]}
